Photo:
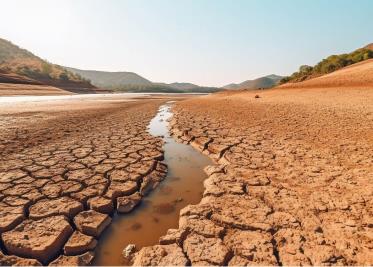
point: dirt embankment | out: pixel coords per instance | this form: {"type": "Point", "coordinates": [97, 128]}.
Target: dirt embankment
{"type": "Point", "coordinates": [292, 184]}
{"type": "Point", "coordinates": [65, 167]}
{"type": "Point", "coordinates": [359, 75]}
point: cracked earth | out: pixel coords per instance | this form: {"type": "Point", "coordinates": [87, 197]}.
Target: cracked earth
{"type": "Point", "coordinates": [292, 184]}
{"type": "Point", "coordinates": [65, 169]}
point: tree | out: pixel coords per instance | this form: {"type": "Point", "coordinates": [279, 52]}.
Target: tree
{"type": "Point", "coordinates": [46, 69]}
{"type": "Point", "coordinates": [63, 76]}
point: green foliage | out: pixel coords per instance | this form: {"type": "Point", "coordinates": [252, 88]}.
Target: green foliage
{"type": "Point", "coordinates": [64, 76]}
{"type": "Point", "coordinates": [328, 65]}
{"type": "Point", "coordinates": [46, 68]}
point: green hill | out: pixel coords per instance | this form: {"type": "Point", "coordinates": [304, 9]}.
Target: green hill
{"type": "Point", "coordinates": [329, 64]}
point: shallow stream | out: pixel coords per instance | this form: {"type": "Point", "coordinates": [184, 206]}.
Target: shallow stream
{"type": "Point", "coordinates": [159, 210]}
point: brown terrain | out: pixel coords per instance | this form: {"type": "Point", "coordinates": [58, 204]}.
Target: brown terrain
{"type": "Point", "coordinates": [13, 84]}
{"type": "Point", "coordinates": [65, 166]}
{"type": "Point", "coordinates": [292, 184]}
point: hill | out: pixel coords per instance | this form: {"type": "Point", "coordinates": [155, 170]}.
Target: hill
{"type": "Point", "coordinates": [329, 65]}
{"type": "Point", "coordinates": [132, 82]}
{"type": "Point", "coordinates": [262, 82]}
{"type": "Point", "coordinates": [17, 61]}
{"type": "Point", "coordinates": [110, 79]}
{"type": "Point", "coordinates": [183, 86]}
{"type": "Point", "coordinates": [358, 75]}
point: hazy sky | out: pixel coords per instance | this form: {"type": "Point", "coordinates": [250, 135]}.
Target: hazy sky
{"type": "Point", "coordinates": [205, 42]}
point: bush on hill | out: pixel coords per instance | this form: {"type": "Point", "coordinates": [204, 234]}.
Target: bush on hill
{"type": "Point", "coordinates": [328, 65]}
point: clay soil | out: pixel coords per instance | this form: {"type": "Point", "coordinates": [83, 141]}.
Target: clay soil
{"type": "Point", "coordinates": [64, 167]}
{"type": "Point", "coordinates": [292, 184]}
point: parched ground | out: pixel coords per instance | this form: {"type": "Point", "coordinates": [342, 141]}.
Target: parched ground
{"type": "Point", "coordinates": [292, 184]}
{"type": "Point", "coordinates": [65, 166]}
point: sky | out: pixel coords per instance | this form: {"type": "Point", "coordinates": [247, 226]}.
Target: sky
{"type": "Point", "coordinates": [207, 42]}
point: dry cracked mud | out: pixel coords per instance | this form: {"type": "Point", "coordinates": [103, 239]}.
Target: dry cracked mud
{"type": "Point", "coordinates": [292, 184]}
{"type": "Point", "coordinates": [62, 170]}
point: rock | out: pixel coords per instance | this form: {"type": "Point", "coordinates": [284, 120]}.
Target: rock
{"type": "Point", "coordinates": [147, 185]}
{"type": "Point", "coordinates": [129, 251]}
{"type": "Point", "coordinates": [119, 189]}
{"type": "Point", "coordinates": [200, 226]}
{"type": "Point", "coordinates": [79, 243]}
{"type": "Point", "coordinates": [79, 260]}
{"type": "Point", "coordinates": [11, 260]}
{"type": "Point", "coordinates": [60, 206]}
{"type": "Point", "coordinates": [128, 203]}
{"type": "Point", "coordinates": [41, 240]}
{"type": "Point", "coordinates": [218, 184]}
{"type": "Point", "coordinates": [91, 222]}
{"type": "Point", "coordinates": [254, 246]}
{"type": "Point", "coordinates": [201, 250]}
{"type": "Point", "coordinates": [160, 255]}
{"type": "Point", "coordinates": [211, 169]}
{"type": "Point", "coordinates": [119, 175]}
{"type": "Point", "coordinates": [101, 204]}
{"type": "Point", "coordinates": [173, 236]}
{"type": "Point", "coordinates": [10, 217]}
{"type": "Point", "coordinates": [290, 244]}
{"type": "Point", "coordinates": [241, 212]}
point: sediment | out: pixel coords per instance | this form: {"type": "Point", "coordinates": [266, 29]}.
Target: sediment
{"type": "Point", "coordinates": [62, 172]}
{"type": "Point", "coordinates": [291, 184]}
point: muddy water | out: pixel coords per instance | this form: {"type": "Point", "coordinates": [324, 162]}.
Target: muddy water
{"type": "Point", "coordinates": [159, 210]}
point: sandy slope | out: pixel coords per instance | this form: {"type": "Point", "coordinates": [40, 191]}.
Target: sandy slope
{"type": "Point", "coordinates": [358, 75]}
{"type": "Point", "coordinates": [9, 89]}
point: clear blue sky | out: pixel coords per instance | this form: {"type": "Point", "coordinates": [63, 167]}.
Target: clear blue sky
{"type": "Point", "coordinates": [208, 42]}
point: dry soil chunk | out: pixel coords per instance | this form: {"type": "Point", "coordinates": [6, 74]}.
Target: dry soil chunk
{"type": "Point", "coordinates": [200, 250]}
{"type": "Point", "coordinates": [41, 240]}
{"type": "Point", "coordinates": [119, 189]}
{"type": "Point", "coordinates": [126, 204]}
{"type": "Point", "coordinates": [10, 260]}
{"type": "Point", "coordinates": [79, 260]}
{"type": "Point", "coordinates": [79, 243]}
{"type": "Point", "coordinates": [160, 255]}
{"type": "Point", "coordinates": [60, 206]}
{"type": "Point", "coordinates": [10, 217]}
{"type": "Point", "coordinates": [101, 204]}
{"type": "Point", "coordinates": [256, 247]}
{"type": "Point", "coordinates": [91, 222]}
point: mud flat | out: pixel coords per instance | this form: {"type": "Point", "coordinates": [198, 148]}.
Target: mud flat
{"type": "Point", "coordinates": [66, 166]}
{"type": "Point", "coordinates": [159, 210]}
{"type": "Point", "coordinates": [292, 184]}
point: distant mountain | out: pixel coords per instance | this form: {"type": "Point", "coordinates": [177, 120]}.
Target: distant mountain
{"type": "Point", "coordinates": [183, 86]}
{"type": "Point", "coordinates": [132, 82]}
{"type": "Point", "coordinates": [17, 61]}
{"type": "Point", "coordinates": [262, 82]}
{"type": "Point", "coordinates": [111, 79]}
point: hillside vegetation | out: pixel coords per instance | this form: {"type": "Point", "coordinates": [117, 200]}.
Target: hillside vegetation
{"type": "Point", "coordinates": [358, 75]}
{"type": "Point", "coordinates": [15, 60]}
{"type": "Point", "coordinates": [329, 65]}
